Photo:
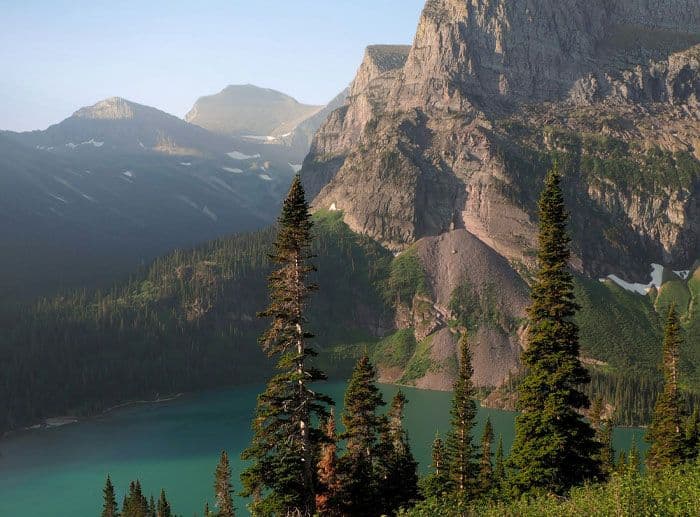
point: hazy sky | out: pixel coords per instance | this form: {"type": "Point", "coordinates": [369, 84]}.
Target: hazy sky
{"type": "Point", "coordinates": [59, 55]}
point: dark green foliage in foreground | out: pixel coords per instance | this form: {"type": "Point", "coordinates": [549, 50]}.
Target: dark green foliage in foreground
{"type": "Point", "coordinates": [281, 477]}
{"type": "Point", "coordinates": [460, 450]}
{"type": "Point", "coordinates": [437, 481]}
{"type": "Point", "coordinates": [399, 469]}
{"type": "Point", "coordinates": [554, 447]}
{"type": "Point", "coordinates": [223, 487]}
{"type": "Point", "coordinates": [665, 433]}
{"type": "Point", "coordinates": [674, 491]}
{"type": "Point", "coordinates": [110, 508]}
{"type": "Point", "coordinates": [361, 490]}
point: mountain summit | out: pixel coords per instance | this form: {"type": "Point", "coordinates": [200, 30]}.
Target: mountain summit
{"type": "Point", "coordinates": [247, 110]}
{"type": "Point", "coordinates": [443, 153]}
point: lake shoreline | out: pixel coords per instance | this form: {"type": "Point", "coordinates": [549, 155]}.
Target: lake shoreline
{"type": "Point", "coordinates": [63, 420]}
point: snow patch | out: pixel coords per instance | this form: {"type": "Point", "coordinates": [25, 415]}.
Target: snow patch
{"type": "Point", "coordinates": [71, 145]}
{"type": "Point", "coordinates": [59, 198]}
{"type": "Point", "coordinates": [683, 274]}
{"type": "Point", "coordinates": [185, 164]}
{"type": "Point", "coordinates": [237, 155]}
{"type": "Point", "coordinates": [128, 174]}
{"type": "Point", "coordinates": [295, 167]}
{"type": "Point", "coordinates": [233, 170]}
{"type": "Point", "coordinates": [188, 202]}
{"type": "Point", "coordinates": [333, 208]}
{"type": "Point", "coordinates": [93, 142]}
{"type": "Point", "coordinates": [211, 215]}
{"type": "Point", "coordinates": [657, 273]}
{"type": "Point", "coordinates": [264, 177]}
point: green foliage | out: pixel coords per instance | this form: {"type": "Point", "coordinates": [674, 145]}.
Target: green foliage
{"type": "Point", "coordinates": [396, 349]}
{"type": "Point", "coordinates": [406, 279]}
{"type": "Point", "coordinates": [461, 453]}
{"type": "Point", "coordinates": [665, 432]}
{"type": "Point", "coordinates": [222, 487]}
{"type": "Point", "coordinates": [554, 447]}
{"type": "Point", "coordinates": [674, 491]}
{"type": "Point", "coordinates": [109, 508]}
{"type": "Point", "coordinates": [420, 362]}
{"type": "Point", "coordinates": [281, 476]}
{"type": "Point", "coordinates": [361, 489]}
{"type": "Point", "coordinates": [186, 322]}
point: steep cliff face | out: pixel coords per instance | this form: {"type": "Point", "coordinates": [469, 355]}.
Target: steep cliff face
{"type": "Point", "coordinates": [458, 135]}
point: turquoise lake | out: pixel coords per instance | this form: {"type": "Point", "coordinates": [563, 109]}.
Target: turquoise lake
{"type": "Point", "coordinates": [174, 445]}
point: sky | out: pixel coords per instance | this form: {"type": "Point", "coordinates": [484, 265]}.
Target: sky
{"type": "Point", "coordinates": [59, 55]}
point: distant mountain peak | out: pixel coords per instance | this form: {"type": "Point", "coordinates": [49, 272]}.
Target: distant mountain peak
{"type": "Point", "coordinates": [112, 108]}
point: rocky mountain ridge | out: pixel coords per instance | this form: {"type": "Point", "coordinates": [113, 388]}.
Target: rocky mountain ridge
{"type": "Point", "coordinates": [457, 138]}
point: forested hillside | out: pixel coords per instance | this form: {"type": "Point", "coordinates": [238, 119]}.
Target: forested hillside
{"type": "Point", "coordinates": [188, 322]}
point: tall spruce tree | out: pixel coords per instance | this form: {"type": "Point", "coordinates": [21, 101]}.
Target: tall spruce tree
{"type": "Point", "coordinates": [486, 466]}
{"type": "Point", "coordinates": [163, 507]}
{"type": "Point", "coordinates": [499, 469]}
{"type": "Point", "coordinates": [223, 487]}
{"type": "Point", "coordinates": [437, 481]}
{"type": "Point", "coordinates": [109, 508]}
{"type": "Point", "coordinates": [363, 426]}
{"type": "Point", "coordinates": [603, 434]}
{"type": "Point", "coordinates": [397, 466]}
{"type": "Point", "coordinates": [554, 447]}
{"type": "Point", "coordinates": [283, 452]}
{"type": "Point", "coordinates": [633, 458]}
{"type": "Point", "coordinates": [328, 494]}
{"type": "Point", "coordinates": [459, 447]}
{"type": "Point", "coordinates": [665, 434]}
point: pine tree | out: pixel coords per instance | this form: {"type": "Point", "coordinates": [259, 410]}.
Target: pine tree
{"type": "Point", "coordinates": [622, 465]}
{"type": "Point", "coordinates": [360, 483]}
{"type": "Point", "coordinates": [110, 508]}
{"type": "Point", "coordinates": [665, 434]}
{"type": "Point", "coordinates": [486, 467]}
{"type": "Point", "coordinates": [603, 434]}
{"type": "Point", "coordinates": [151, 507]}
{"type": "Point", "coordinates": [135, 503]}
{"type": "Point", "coordinates": [207, 511]}
{"type": "Point", "coordinates": [223, 487]}
{"type": "Point", "coordinates": [282, 476]}
{"type": "Point", "coordinates": [633, 457]}
{"type": "Point", "coordinates": [499, 469]}
{"type": "Point", "coordinates": [461, 452]}
{"type": "Point", "coordinates": [436, 483]}
{"type": "Point", "coordinates": [397, 466]}
{"type": "Point", "coordinates": [328, 495]}
{"type": "Point", "coordinates": [554, 447]}
{"type": "Point", "coordinates": [692, 435]}
{"type": "Point", "coordinates": [163, 508]}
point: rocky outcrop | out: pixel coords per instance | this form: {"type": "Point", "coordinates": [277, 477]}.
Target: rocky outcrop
{"type": "Point", "coordinates": [458, 137]}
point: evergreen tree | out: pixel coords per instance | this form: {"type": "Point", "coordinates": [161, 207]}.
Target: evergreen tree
{"type": "Point", "coordinates": [633, 457]}
{"type": "Point", "coordinates": [622, 464]}
{"type": "Point", "coordinates": [603, 433]}
{"type": "Point", "coordinates": [110, 508]}
{"type": "Point", "coordinates": [398, 468]}
{"type": "Point", "coordinates": [207, 511]}
{"type": "Point", "coordinates": [282, 476]}
{"type": "Point", "coordinates": [163, 508]}
{"type": "Point", "coordinates": [328, 495]}
{"type": "Point", "coordinates": [499, 469]}
{"type": "Point", "coordinates": [223, 487]}
{"type": "Point", "coordinates": [461, 452]}
{"type": "Point", "coordinates": [554, 447]}
{"type": "Point", "coordinates": [360, 483]}
{"type": "Point", "coordinates": [665, 434]}
{"type": "Point", "coordinates": [437, 482]}
{"type": "Point", "coordinates": [692, 435]}
{"type": "Point", "coordinates": [486, 467]}
{"type": "Point", "coordinates": [151, 507]}
{"type": "Point", "coordinates": [135, 503]}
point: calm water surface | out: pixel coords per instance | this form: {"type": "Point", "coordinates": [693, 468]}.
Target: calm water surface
{"type": "Point", "coordinates": [175, 445]}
